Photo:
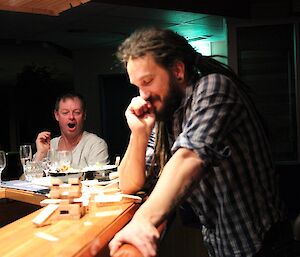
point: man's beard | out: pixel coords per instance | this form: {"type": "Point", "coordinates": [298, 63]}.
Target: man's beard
{"type": "Point", "coordinates": [171, 101]}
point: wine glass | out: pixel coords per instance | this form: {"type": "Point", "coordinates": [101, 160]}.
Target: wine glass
{"type": "Point", "coordinates": [2, 162]}
{"type": "Point", "coordinates": [25, 154]}
{"type": "Point", "coordinates": [64, 158]}
{"type": "Point", "coordinates": [52, 161]}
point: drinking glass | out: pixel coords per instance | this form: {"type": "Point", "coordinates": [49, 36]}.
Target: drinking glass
{"type": "Point", "coordinates": [25, 154]}
{"type": "Point", "coordinates": [33, 170]}
{"type": "Point", "coordinates": [63, 158]}
{"type": "Point", "coordinates": [2, 162]}
{"type": "Point", "coordinates": [52, 163]}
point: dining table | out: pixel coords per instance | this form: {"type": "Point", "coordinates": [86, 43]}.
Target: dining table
{"type": "Point", "coordinates": [87, 236]}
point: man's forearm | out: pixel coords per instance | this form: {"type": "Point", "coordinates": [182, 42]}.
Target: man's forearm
{"type": "Point", "coordinates": [180, 173]}
{"type": "Point", "coordinates": [132, 168]}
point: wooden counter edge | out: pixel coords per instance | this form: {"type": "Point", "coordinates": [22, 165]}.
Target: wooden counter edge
{"type": "Point", "coordinates": [128, 250]}
{"type": "Point", "coordinates": [21, 195]}
{"type": "Point", "coordinates": [2, 193]}
{"type": "Point", "coordinates": [99, 246]}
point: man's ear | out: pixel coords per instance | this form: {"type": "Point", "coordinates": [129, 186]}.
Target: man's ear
{"type": "Point", "coordinates": [179, 70]}
{"type": "Point", "coordinates": [56, 115]}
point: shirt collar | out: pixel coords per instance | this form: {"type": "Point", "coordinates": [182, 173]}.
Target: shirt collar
{"type": "Point", "coordinates": [187, 95]}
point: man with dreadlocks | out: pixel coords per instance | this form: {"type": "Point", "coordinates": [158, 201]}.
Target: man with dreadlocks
{"type": "Point", "coordinates": [195, 130]}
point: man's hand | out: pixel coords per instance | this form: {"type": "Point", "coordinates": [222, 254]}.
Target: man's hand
{"type": "Point", "coordinates": [42, 145]}
{"type": "Point", "coordinates": [139, 233]}
{"type": "Point", "coordinates": [140, 115]}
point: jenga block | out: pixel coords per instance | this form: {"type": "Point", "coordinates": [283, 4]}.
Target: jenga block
{"type": "Point", "coordinates": [66, 201]}
{"type": "Point", "coordinates": [50, 201]}
{"type": "Point", "coordinates": [103, 199]}
{"type": "Point", "coordinates": [107, 199]}
{"type": "Point", "coordinates": [43, 218]}
{"type": "Point", "coordinates": [75, 210]}
{"type": "Point", "coordinates": [64, 191]}
{"type": "Point", "coordinates": [75, 191]}
{"type": "Point", "coordinates": [69, 211]}
{"type": "Point", "coordinates": [84, 209]}
{"type": "Point", "coordinates": [74, 181]}
{"type": "Point", "coordinates": [133, 198]}
{"type": "Point", "coordinates": [54, 193]}
{"type": "Point", "coordinates": [56, 182]}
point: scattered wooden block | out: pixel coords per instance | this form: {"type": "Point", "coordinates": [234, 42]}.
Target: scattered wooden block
{"type": "Point", "coordinates": [50, 201]}
{"type": "Point", "coordinates": [133, 198]}
{"type": "Point", "coordinates": [104, 199]}
{"type": "Point", "coordinates": [68, 202]}
{"type": "Point", "coordinates": [44, 217]}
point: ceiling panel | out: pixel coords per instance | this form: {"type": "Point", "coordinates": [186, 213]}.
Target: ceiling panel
{"type": "Point", "coordinates": [96, 24]}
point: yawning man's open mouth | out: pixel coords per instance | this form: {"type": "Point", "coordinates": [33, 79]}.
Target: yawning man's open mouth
{"type": "Point", "coordinates": [71, 125]}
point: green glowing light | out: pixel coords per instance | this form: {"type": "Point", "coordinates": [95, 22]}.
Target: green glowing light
{"type": "Point", "coordinates": [203, 47]}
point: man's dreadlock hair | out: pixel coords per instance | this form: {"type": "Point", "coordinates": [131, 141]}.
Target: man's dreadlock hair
{"type": "Point", "coordinates": [168, 47]}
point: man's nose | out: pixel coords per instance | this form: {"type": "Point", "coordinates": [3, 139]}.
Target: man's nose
{"type": "Point", "coordinates": [71, 116]}
{"type": "Point", "coordinates": [144, 94]}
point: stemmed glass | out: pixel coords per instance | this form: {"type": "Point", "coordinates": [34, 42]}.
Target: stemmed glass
{"type": "Point", "coordinates": [25, 154]}
{"type": "Point", "coordinates": [59, 160]}
{"type": "Point", "coordinates": [64, 158]}
{"type": "Point", "coordinates": [51, 161]}
{"type": "Point", "coordinates": [2, 162]}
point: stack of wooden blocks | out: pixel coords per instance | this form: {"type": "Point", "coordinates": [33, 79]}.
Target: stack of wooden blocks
{"type": "Point", "coordinates": [64, 202]}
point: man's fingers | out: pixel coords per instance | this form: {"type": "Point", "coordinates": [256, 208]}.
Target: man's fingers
{"type": "Point", "coordinates": [147, 248]}
{"type": "Point", "coordinates": [114, 245]}
{"type": "Point", "coordinates": [139, 106]}
{"type": "Point", "coordinates": [44, 136]}
{"type": "Point", "coordinates": [142, 235]}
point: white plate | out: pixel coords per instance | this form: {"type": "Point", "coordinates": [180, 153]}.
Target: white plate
{"type": "Point", "coordinates": [63, 173]}
{"type": "Point", "coordinates": [44, 181]}
{"type": "Point", "coordinates": [100, 168]}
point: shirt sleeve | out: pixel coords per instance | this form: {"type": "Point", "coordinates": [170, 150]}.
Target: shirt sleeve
{"type": "Point", "coordinates": [215, 109]}
{"type": "Point", "coordinates": [150, 148]}
{"type": "Point", "coordinates": [151, 172]}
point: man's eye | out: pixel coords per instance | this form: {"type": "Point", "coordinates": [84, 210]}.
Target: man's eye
{"type": "Point", "coordinates": [147, 82]}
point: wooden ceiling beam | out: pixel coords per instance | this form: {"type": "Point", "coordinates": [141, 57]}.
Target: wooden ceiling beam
{"type": "Point", "coordinates": [44, 11]}
{"type": "Point", "coordinates": [46, 7]}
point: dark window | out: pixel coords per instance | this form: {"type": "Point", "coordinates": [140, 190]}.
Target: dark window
{"type": "Point", "coordinates": [266, 64]}
{"type": "Point", "coordinates": [115, 95]}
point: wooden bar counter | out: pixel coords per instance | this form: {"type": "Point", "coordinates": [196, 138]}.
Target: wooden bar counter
{"type": "Point", "coordinates": [88, 236]}
{"type": "Point", "coordinates": [21, 195]}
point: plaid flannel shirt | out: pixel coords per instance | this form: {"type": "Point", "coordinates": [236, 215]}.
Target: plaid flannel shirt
{"type": "Point", "coordinates": [237, 199]}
